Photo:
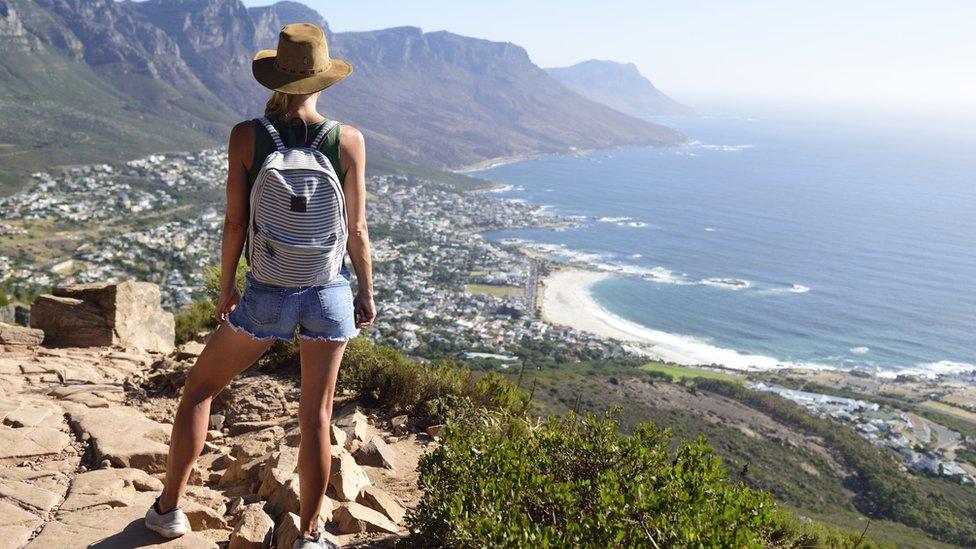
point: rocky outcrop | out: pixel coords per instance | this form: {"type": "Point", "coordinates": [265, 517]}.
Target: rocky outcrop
{"type": "Point", "coordinates": [82, 453]}
{"type": "Point", "coordinates": [127, 314]}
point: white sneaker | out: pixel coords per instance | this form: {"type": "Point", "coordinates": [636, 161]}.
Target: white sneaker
{"type": "Point", "coordinates": [169, 525]}
{"type": "Point", "coordinates": [318, 542]}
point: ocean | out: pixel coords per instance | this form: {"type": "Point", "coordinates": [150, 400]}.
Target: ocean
{"type": "Point", "coordinates": [793, 242]}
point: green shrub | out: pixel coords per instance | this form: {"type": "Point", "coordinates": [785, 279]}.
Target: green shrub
{"type": "Point", "coordinates": [425, 390]}
{"type": "Point", "coordinates": [198, 317]}
{"type": "Point", "coordinates": [499, 481]}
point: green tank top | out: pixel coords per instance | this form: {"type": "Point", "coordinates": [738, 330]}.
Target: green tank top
{"type": "Point", "coordinates": [263, 146]}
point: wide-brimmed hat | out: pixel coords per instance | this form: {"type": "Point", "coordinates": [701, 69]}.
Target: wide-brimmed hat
{"type": "Point", "coordinates": [301, 64]}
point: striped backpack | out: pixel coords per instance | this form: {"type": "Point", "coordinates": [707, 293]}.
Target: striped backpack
{"type": "Point", "coordinates": [297, 228]}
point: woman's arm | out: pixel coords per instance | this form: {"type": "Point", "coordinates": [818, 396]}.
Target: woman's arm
{"type": "Point", "coordinates": [352, 157]}
{"type": "Point", "coordinates": [239, 152]}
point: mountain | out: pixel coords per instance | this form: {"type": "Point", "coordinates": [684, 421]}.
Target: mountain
{"type": "Point", "coordinates": [94, 80]}
{"type": "Point", "coordinates": [620, 86]}
{"type": "Point", "coordinates": [89, 80]}
{"type": "Point", "coordinates": [446, 100]}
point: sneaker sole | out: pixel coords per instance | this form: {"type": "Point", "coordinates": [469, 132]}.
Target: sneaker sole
{"type": "Point", "coordinates": [169, 534]}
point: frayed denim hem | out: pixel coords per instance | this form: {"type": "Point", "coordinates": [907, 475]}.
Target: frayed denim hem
{"type": "Point", "coordinates": [253, 335]}
{"type": "Point", "coordinates": [307, 337]}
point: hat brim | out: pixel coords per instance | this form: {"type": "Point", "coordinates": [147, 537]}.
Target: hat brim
{"type": "Point", "coordinates": [265, 72]}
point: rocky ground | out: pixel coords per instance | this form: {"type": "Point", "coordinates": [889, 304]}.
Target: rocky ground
{"type": "Point", "coordinates": [83, 446]}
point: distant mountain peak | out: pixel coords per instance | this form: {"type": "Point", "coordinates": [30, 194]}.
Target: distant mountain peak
{"type": "Point", "coordinates": [620, 86]}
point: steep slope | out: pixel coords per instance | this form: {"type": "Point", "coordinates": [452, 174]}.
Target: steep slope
{"type": "Point", "coordinates": [215, 39]}
{"type": "Point", "coordinates": [84, 80]}
{"type": "Point", "coordinates": [447, 100]}
{"type": "Point", "coordinates": [620, 86]}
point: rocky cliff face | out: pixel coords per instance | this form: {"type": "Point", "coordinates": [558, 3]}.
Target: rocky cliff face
{"type": "Point", "coordinates": [620, 86]}
{"type": "Point", "coordinates": [182, 67]}
{"type": "Point", "coordinates": [268, 20]}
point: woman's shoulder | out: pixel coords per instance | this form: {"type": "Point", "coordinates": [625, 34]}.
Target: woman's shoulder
{"type": "Point", "coordinates": [350, 137]}
{"type": "Point", "coordinates": [243, 130]}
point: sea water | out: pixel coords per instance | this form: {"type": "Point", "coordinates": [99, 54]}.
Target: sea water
{"type": "Point", "coordinates": [807, 241]}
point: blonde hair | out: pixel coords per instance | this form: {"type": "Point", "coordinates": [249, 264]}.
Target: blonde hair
{"type": "Point", "coordinates": [277, 105]}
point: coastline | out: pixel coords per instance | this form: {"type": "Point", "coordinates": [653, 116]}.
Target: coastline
{"type": "Point", "coordinates": [567, 301]}
{"type": "Point", "coordinates": [495, 162]}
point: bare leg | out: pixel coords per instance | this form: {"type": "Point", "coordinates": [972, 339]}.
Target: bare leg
{"type": "Point", "coordinates": [227, 354]}
{"type": "Point", "coordinates": [320, 368]}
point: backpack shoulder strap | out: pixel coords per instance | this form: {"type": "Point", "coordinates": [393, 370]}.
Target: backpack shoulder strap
{"type": "Point", "coordinates": [275, 136]}
{"type": "Point", "coordinates": [323, 131]}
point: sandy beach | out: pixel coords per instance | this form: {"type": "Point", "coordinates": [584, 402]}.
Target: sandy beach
{"type": "Point", "coordinates": [566, 301]}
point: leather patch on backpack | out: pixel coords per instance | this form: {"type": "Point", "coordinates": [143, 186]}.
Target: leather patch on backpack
{"type": "Point", "coordinates": [299, 204]}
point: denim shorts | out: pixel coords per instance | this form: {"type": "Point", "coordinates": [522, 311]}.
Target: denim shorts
{"type": "Point", "coordinates": [274, 312]}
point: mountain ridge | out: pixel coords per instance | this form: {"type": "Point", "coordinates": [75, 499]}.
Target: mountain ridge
{"type": "Point", "coordinates": [130, 78]}
{"type": "Point", "coordinates": [620, 86]}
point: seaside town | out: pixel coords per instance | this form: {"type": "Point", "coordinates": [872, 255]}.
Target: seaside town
{"type": "Point", "coordinates": [442, 288]}
{"type": "Point", "coordinates": [925, 446]}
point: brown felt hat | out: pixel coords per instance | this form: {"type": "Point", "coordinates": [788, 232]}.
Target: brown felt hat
{"type": "Point", "coordinates": [301, 64]}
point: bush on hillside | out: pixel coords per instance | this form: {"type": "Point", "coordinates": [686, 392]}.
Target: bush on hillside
{"type": "Point", "coordinates": [199, 316]}
{"type": "Point", "coordinates": [424, 390]}
{"type": "Point", "coordinates": [505, 482]}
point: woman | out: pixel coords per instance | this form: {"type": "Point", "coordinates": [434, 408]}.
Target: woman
{"type": "Point", "coordinates": [324, 313]}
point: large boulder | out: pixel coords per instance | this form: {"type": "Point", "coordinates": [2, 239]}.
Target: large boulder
{"type": "Point", "coordinates": [11, 334]}
{"type": "Point", "coordinates": [253, 529]}
{"type": "Point", "coordinates": [127, 314]}
{"type": "Point", "coordinates": [354, 518]}
{"type": "Point", "coordinates": [378, 500]}
{"type": "Point", "coordinates": [376, 453]}
{"type": "Point", "coordinates": [347, 478]}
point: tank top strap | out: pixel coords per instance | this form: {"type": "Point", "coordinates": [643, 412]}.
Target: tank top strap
{"type": "Point", "coordinates": [329, 146]}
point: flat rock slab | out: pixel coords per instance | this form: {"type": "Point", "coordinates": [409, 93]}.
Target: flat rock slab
{"type": "Point", "coordinates": [109, 488]}
{"type": "Point", "coordinates": [379, 500]}
{"type": "Point", "coordinates": [11, 334]}
{"type": "Point", "coordinates": [124, 436]}
{"type": "Point", "coordinates": [33, 489]}
{"type": "Point", "coordinates": [32, 413]}
{"type": "Point", "coordinates": [16, 525]}
{"type": "Point", "coordinates": [31, 441]}
{"type": "Point", "coordinates": [112, 528]}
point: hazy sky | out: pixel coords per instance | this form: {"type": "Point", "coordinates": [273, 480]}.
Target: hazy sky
{"type": "Point", "coordinates": [875, 53]}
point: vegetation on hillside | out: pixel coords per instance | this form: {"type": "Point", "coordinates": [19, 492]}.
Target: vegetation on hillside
{"type": "Point", "coordinates": [883, 488]}
{"type": "Point", "coordinates": [506, 481]}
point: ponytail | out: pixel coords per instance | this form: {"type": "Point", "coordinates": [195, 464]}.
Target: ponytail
{"type": "Point", "coordinates": [277, 105]}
